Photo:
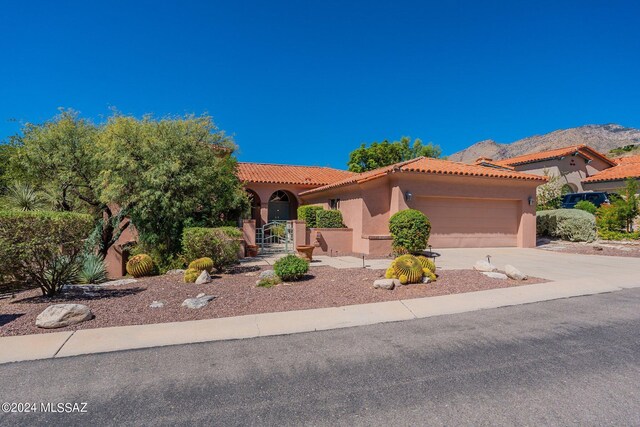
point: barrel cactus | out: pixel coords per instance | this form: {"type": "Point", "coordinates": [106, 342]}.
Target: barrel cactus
{"type": "Point", "coordinates": [140, 265]}
{"type": "Point", "coordinates": [191, 275]}
{"type": "Point", "coordinates": [201, 264]}
{"type": "Point", "coordinates": [407, 267]}
{"type": "Point", "coordinates": [427, 263]}
{"type": "Point", "coordinates": [430, 275]}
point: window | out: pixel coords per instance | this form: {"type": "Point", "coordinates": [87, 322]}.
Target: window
{"type": "Point", "coordinates": [334, 203]}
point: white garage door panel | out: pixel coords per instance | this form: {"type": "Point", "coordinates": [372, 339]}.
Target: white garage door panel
{"type": "Point", "coordinates": [461, 223]}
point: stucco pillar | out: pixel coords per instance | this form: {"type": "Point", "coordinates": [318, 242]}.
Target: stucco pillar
{"type": "Point", "coordinates": [299, 232]}
{"type": "Point", "coordinates": [249, 231]}
{"type": "Point", "coordinates": [527, 229]}
{"type": "Point", "coordinates": [264, 212]}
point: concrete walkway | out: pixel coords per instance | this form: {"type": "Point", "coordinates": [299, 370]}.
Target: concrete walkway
{"type": "Point", "coordinates": [572, 275]}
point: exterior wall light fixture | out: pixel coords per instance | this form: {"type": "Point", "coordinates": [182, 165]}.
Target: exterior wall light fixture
{"type": "Point", "coordinates": [408, 196]}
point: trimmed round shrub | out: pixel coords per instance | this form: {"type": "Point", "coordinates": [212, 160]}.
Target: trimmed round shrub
{"type": "Point", "coordinates": [291, 267]}
{"type": "Point", "coordinates": [307, 214]}
{"type": "Point", "coordinates": [410, 230]}
{"type": "Point", "coordinates": [587, 206]}
{"type": "Point", "coordinates": [574, 225]}
{"type": "Point", "coordinates": [140, 265]}
{"type": "Point", "coordinates": [329, 219]}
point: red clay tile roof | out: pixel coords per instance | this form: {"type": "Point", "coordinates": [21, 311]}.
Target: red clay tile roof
{"type": "Point", "coordinates": [430, 166]}
{"type": "Point", "coordinates": [289, 174]}
{"type": "Point", "coordinates": [628, 159]}
{"type": "Point", "coordinates": [585, 150]}
{"type": "Point", "coordinates": [627, 169]}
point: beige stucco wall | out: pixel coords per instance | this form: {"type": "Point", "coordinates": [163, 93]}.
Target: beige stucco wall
{"type": "Point", "coordinates": [574, 168]}
{"type": "Point", "coordinates": [608, 186]}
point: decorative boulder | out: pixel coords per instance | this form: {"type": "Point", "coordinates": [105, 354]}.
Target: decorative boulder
{"type": "Point", "coordinates": [514, 273]}
{"type": "Point", "coordinates": [198, 302]}
{"type": "Point", "coordinates": [61, 315]}
{"type": "Point", "coordinates": [175, 271]}
{"type": "Point", "coordinates": [426, 280]}
{"type": "Point", "coordinates": [267, 274]}
{"type": "Point", "coordinates": [495, 275]}
{"type": "Point", "coordinates": [483, 265]}
{"type": "Point", "coordinates": [203, 278]}
{"type": "Point", "coordinates": [388, 284]}
{"type": "Point", "coordinates": [157, 304]}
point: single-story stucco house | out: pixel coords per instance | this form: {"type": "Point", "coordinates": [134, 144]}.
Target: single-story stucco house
{"type": "Point", "coordinates": [468, 205]}
{"type": "Point", "coordinates": [613, 179]}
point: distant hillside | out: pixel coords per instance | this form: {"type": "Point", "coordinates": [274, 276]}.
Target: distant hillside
{"type": "Point", "coordinates": [603, 138]}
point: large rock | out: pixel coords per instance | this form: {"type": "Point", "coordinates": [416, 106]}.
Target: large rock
{"type": "Point", "coordinates": [61, 315]}
{"type": "Point", "coordinates": [267, 274]}
{"type": "Point", "coordinates": [483, 265]}
{"type": "Point", "coordinates": [495, 275]}
{"type": "Point", "coordinates": [514, 273]}
{"type": "Point", "coordinates": [119, 282]}
{"type": "Point", "coordinates": [388, 284]}
{"type": "Point", "coordinates": [198, 302]}
{"type": "Point", "coordinates": [203, 278]}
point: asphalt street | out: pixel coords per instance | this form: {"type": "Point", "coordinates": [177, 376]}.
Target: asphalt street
{"type": "Point", "coordinates": [565, 362]}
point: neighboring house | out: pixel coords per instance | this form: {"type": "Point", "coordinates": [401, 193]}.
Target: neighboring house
{"type": "Point", "coordinates": [468, 205]}
{"type": "Point", "coordinates": [573, 164]}
{"type": "Point", "coordinates": [613, 179]}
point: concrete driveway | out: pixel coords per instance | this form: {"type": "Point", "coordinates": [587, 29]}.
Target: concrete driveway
{"type": "Point", "coordinates": [545, 264]}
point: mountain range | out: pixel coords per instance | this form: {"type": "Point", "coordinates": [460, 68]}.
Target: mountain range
{"type": "Point", "coordinates": [608, 139]}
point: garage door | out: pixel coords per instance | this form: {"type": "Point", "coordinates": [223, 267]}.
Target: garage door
{"type": "Point", "coordinates": [471, 223]}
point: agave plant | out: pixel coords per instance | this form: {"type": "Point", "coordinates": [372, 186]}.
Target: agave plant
{"type": "Point", "coordinates": [24, 197]}
{"type": "Point", "coordinates": [93, 270]}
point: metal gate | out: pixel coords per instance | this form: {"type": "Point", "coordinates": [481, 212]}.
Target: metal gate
{"type": "Point", "coordinates": [275, 237]}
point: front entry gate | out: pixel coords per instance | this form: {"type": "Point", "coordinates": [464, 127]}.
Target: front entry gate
{"type": "Point", "coordinates": [275, 237]}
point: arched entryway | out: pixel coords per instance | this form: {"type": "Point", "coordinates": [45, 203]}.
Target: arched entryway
{"type": "Point", "coordinates": [255, 206]}
{"type": "Point", "coordinates": [283, 206]}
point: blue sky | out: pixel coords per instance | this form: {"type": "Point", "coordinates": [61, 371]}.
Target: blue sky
{"type": "Point", "coordinates": [307, 82]}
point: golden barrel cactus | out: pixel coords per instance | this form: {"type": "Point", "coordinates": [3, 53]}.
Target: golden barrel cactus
{"type": "Point", "coordinates": [140, 265]}
{"type": "Point", "coordinates": [191, 275]}
{"type": "Point", "coordinates": [202, 264]}
{"type": "Point", "coordinates": [407, 268]}
{"type": "Point", "coordinates": [427, 263]}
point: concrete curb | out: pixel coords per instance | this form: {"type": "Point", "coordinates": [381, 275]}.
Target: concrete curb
{"type": "Point", "coordinates": [101, 340]}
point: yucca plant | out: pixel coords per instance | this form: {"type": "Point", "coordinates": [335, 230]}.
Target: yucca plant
{"type": "Point", "coordinates": [24, 197]}
{"type": "Point", "coordinates": [93, 269]}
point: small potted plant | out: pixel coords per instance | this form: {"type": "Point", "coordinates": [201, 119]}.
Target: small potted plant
{"type": "Point", "coordinates": [252, 251]}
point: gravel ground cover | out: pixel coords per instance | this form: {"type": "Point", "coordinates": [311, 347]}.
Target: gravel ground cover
{"type": "Point", "coordinates": [236, 294]}
{"type": "Point", "coordinates": [607, 248]}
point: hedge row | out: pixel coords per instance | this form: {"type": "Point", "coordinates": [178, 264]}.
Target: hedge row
{"type": "Point", "coordinates": [568, 224]}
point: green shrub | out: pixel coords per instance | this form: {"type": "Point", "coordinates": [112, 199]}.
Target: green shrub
{"type": "Point", "coordinates": [93, 270]}
{"type": "Point", "coordinates": [587, 206]}
{"type": "Point", "coordinates": [268, 282]}
{"type": "Point", "coordinates": [42, 247]}
{"type": "Point", "coordinates": [618, 235]}
{"type": "Point", "coordinates": [307, 214]}
{"type": "Point", "coordinates": [410, 230]}
{"type": "Point", "coordinates": [609, 218]}
{"type": "Point", "coordinates": [279, 230]}
{"type": "Point", "coordinates": [291, 267]}
{"type": "Point", "coordinates": [219, 244]}
{"type": "Point", "coordinates": [329, 219]}
{"type": "Point", "coordinates": [567, 224]}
